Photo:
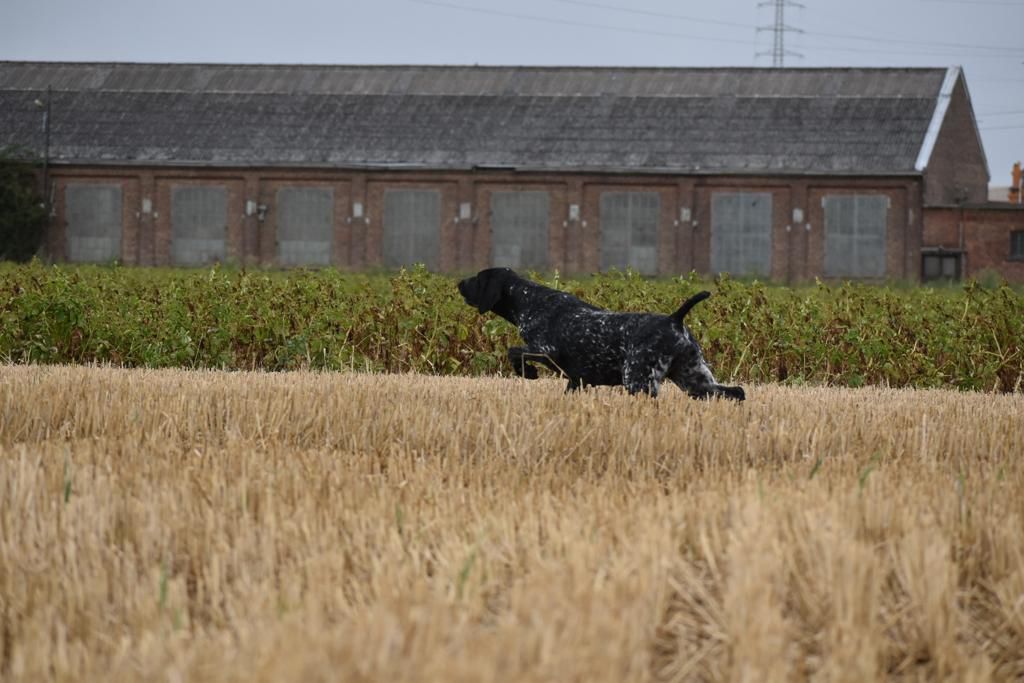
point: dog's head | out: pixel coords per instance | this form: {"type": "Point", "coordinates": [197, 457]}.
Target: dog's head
{"type": "Point", "coordinates": [489, 290]}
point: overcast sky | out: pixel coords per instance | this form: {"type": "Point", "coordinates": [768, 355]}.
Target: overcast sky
{"type": "Point", "coordinates": [985, 37]}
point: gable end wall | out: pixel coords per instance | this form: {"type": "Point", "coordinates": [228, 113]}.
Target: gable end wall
{"type": "Point", "coordinates": [957, 170]}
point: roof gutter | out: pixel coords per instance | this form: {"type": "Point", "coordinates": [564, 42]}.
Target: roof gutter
{"type": "Point", "coordinates": [977, 132]}
{"type": "Point", "coordinates": [492, 168]}
{"type": "Point", "coordinates": [941, 106]}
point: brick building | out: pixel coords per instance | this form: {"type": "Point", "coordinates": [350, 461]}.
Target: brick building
{"type": "Point", "coordinates": [782, 174]}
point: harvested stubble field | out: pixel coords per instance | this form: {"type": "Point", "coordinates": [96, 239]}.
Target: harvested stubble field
{"type": "Point", "coordinates": [201, 525]}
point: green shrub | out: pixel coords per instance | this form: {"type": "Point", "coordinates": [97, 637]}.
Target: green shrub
{"type": "Point", "coordinates": [967, 337]}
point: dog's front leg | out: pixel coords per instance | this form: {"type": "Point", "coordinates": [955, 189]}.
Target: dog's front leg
{"type": "Point", "coordinates": [517, 355]}
{"type": "Point", "coordinates": [647, 385]}
{"type": "Point", "coordinates": [697, 381]}
{"type": "Point", "coordinates": [716, 390]}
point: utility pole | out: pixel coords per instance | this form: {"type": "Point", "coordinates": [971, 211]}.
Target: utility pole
{"type": "Point", "coordinates": [45, 106]}
{"type": "Point", "coordinates": [779, 30]}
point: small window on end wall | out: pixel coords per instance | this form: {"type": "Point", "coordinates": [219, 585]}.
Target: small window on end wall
{"type": "Point", "coordinates": [1017, 245]}
{"type": "Point", "coordinates": [940, 266]}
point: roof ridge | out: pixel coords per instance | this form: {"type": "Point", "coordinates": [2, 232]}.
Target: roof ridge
{"type": "Point", "coordinates": [472, 80]}
{"type": "Point", "coordinates": [673, 96]}
{"type": "Point", "coordinates": [539, 67]}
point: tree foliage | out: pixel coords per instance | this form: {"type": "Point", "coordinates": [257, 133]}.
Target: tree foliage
{"type": "Point", "coordinates": [22, 209]}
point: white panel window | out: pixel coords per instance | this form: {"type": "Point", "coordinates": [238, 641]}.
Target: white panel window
{"type": "Point", "coordinates": [741, 233]}
{"type": "Point", "coordinates": [412, 228]}
{"type": "Point", "coordinates": [519, 229]}
{"type": "Point", "coordinates": [199, 218]}
{"type": "Point", "coordinates": [855, 232]}
{"type": "Point", "coordinates": [304, 226]}
{"type": "Point", "coordinates": [93, 223]}
{"type": "Point", "coordinates": [629, 231]}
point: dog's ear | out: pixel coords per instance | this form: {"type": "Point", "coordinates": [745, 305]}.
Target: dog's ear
{"type": "Point", "coordinates": [490, 291]}
{"type": "Point", "coordinates": [483, 291]}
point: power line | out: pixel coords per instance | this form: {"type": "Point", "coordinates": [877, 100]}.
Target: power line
{"type": "Point", "coordinates": [823, 34]}
{"type": "Point", "coordinates": [660, 15]}
{"type": "Point", "coordinates": [923, 43]}
{"type": "Point", "coordinates": [568, 22]}
{"type": "Point", "coordinates": [978, 2]}
{"type": "Point", "coordinates": [917, 53]}
{"type": "Point", "coordinates": [673, 34]}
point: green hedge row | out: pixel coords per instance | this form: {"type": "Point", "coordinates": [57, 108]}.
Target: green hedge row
{"type": "Point", "coordinates": [966, 337]}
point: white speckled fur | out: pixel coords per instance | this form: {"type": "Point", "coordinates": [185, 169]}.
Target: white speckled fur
{"type": "Point", "coordinates": [593, 346]}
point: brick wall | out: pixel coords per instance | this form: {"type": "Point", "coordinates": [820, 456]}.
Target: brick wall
{"type": "Point", "coordinates": [986, 237]}
{"type": "Point", "coordinates": [941, 228]}
{"type": "Point", "coordinates": [684, 240]}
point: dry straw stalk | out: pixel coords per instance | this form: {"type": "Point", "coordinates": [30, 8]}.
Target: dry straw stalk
{"type": "Point", "coordinates": [207, 526]}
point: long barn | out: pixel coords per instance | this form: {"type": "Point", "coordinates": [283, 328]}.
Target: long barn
{"type": "Point", "coordinates": [786, 174]}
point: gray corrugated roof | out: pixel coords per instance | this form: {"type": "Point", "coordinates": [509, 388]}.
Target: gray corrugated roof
{"type": "Point", "coordinates": [869, 121]}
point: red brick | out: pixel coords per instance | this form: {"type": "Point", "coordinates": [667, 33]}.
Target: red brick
{"type": "Point", "coordinates": [574, 246]}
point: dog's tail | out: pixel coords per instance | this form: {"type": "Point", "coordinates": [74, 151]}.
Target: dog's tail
{"type": "Point", "coordinates": [688, 304]}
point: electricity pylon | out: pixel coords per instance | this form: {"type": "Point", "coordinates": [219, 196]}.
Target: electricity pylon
{"type": "Point", "coordinates": [779, 29]}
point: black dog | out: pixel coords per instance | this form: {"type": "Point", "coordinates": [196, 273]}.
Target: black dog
{"type": "Point", "coordinates": [592, 346]}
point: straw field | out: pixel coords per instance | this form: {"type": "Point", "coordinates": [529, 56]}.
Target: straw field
{"type": "Point", "coordinates": [207, 526]}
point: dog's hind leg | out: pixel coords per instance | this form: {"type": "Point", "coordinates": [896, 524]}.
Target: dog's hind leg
{"type": "Point", "coordinates": [644, 373]}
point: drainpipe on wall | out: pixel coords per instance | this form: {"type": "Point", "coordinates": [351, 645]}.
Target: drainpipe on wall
{"type": "Point", "coordinates": [1015, 195]}
{"type": "Point", "coordinates": [46, 155]}
{"type": "Point", "coordinates": [961, 198]}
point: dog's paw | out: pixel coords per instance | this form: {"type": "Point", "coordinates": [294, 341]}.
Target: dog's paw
{"type": "Point", "coordinates": [524, 370]}
{"type": "Point", "coordinates": [736, 393]}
